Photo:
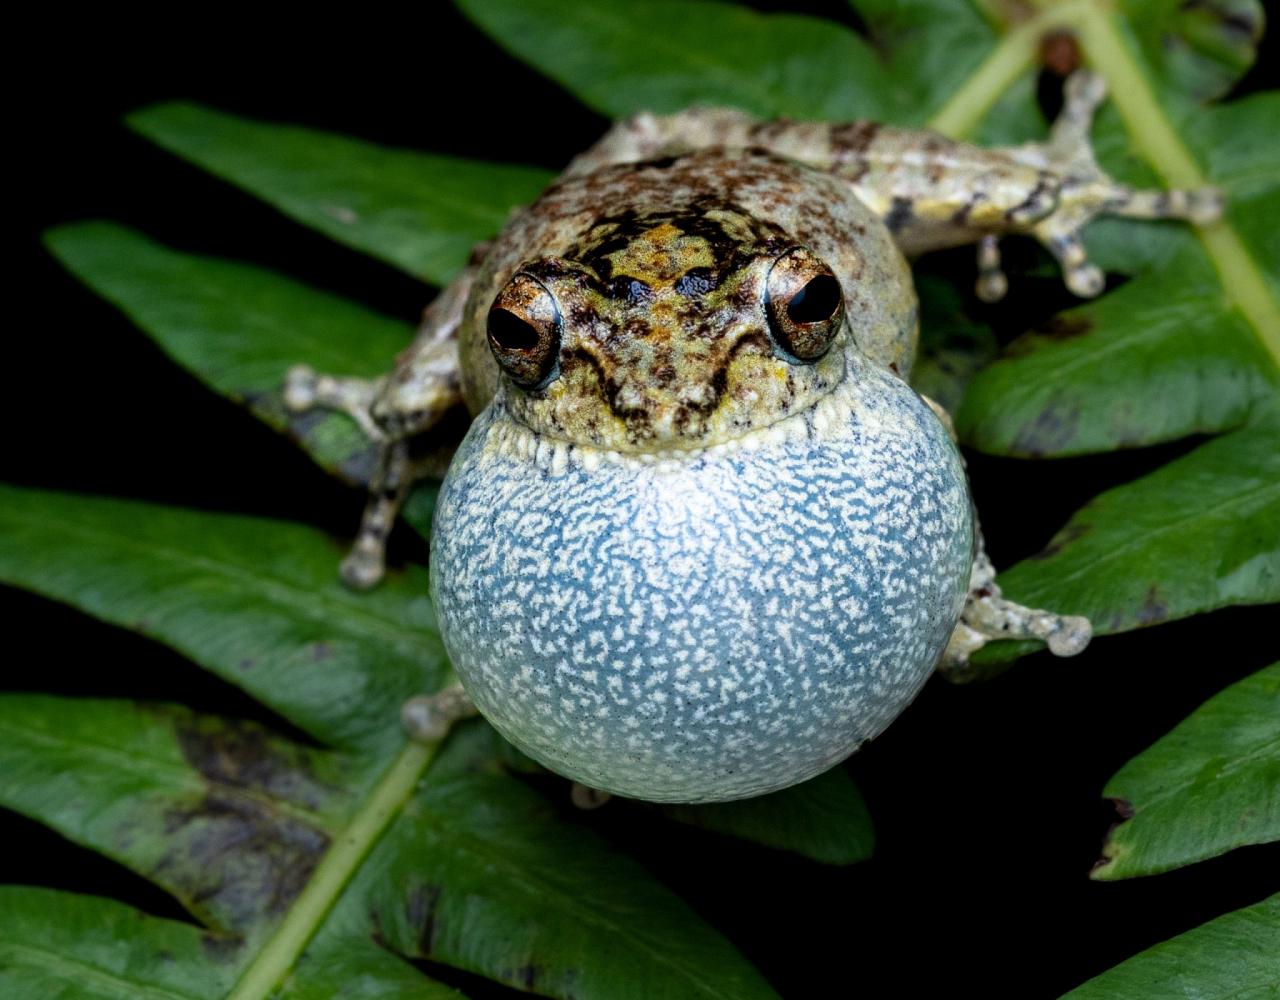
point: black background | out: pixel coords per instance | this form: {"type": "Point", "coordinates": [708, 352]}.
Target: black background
{"type": "Point", "coordinates": [986, 798]}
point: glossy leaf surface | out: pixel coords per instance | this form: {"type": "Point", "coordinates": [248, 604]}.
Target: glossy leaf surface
{"type": "Point", "coordinates": [1230, 958]}
{"type": "Point", "coordinates": [1210, 785]}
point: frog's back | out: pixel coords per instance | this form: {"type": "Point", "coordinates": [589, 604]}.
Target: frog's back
{"type": "Point", "coordinates": [713, 194]}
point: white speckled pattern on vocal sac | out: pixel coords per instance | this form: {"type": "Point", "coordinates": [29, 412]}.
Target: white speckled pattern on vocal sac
{"type": "Point", "coordinates": [712, 627]}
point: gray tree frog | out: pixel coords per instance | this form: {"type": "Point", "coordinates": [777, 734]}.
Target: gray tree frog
{"type": "Point", "coordinates": [702, 539]}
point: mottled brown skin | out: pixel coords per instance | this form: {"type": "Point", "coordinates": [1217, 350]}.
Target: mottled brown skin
{"type": "Point", "coordinates": [665, 340]}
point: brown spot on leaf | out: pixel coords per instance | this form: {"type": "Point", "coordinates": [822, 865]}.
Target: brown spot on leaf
{"type": "Point", "coordinates": [533, 978]}
{"type": "Point", "coordinates": [1065, 326]}
{"type": "Point", "coordinates": [220, 947]}
{"type": "Point", "coordinates": [1062, 539]}
{"type": "Point", "coordinates": [1048, 432]}
{"type": "Point", "coordinates": [1153, 609]}
{"type": "Point", "coordinates": [244, 755]}
{"type": "Point", "coordinates": [1235, 20]}
{"type": "Point", "coordinates": [421, 909]}
{"type": "Point", "coordinates": [1059, 328]}
{"type": "Point", "coordinates": [527, 976]}
{"type": "Point", "coordinates": [1124, 811]}
{"type": "Point", "coordinates": [237, 858]}
{"type": "Point", "coordinates": [242, 848]}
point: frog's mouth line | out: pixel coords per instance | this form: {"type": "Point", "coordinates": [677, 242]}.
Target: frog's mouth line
{"type": "Point", "coordinates": [808, 422]}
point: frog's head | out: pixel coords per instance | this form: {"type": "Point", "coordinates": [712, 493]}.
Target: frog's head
{"type": "Point", "coordinates": [669, 330]}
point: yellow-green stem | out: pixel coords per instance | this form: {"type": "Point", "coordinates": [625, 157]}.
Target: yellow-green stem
{"type": "Point", "coordinates": [331, 876]}
{"type": "Point", "coordinates": [1107, 50]}
{"type": "Point", "coordinates": [1160, 145]}
{"type": "Point", "coordinates": [1012, 56]}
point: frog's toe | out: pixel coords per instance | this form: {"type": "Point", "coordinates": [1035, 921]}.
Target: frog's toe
{"type": "Point", "coordinates": [988, 616]}
{"type": "Point", "coordinates": [1085, 280]}
{"type": "Point", "coordinates": [992, 284]}
{"type": "Point", "coordinates": [1070, 635]}
{"type": "Point", "coordinates": [363, 568]}
{"type": "Point", "coordinates": [300, 388]}
{"type": "Point", "coordinates": [1084, 91]}
{"type": "Point", "coordinates": [1199, 205]}
{"type": "Point", "coordinates": [427, 718]}
{"type": "Point", "coordinates": [304, 389]}
{"type": "Point", "coordinates": [587, 798]}
{"type": "Point", "coordinates": [1081, 276]}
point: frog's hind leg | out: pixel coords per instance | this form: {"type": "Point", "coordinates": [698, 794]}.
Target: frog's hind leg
{"type": "Point", "coordinates": [1076, 189]}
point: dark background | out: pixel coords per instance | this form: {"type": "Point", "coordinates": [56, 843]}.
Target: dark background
{"type": "Point", "coordinates": [986, 798]}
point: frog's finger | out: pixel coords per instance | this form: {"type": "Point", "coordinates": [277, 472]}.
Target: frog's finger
{"type": "Point", "coordinates": [992, 285]}
{"type": "Point", "coordinates": [1200, 205]}
{"type": "Point", "coordinates": [988, 615]}
{"type": "Point", "coordinates": [305, 389]}
{"type": "Point", "coordinates": [1081, 276]}
{"type": "Point", "coordinates": [1083, 93]}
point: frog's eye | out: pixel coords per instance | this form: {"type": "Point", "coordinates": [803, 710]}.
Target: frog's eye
{"type": "Point", "coordinates": [524, 331]}
{"type": "Point", "coordinates": [804, 303]}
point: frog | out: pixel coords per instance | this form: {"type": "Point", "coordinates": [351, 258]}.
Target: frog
{"type": "Point", "coordinates": [702, 540]}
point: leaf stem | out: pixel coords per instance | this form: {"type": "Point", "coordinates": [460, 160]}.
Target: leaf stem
{"type": "Point", "coordinates": [1158, 142]}
{"type": "Point", "coordinates": [1145, 120]}
{"type": "Point", "coordinates": [1012, 56]}
{"type": "Point", "coordinates": [331, 876]}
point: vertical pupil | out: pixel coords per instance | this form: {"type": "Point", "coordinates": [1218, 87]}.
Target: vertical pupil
{"type": "Point", "coordinates": [510, 332]}
{"type": "Point", "coordinates": [816, 301]}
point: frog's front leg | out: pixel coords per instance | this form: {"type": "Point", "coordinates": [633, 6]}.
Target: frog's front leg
{"type": "Point", "coordinates": [424, 385]}
{"type": "Point", "coordinates": [988, 615]}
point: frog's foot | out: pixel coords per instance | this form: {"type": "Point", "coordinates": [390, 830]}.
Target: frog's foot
{"type": "Point", "coordinates": [1075, 190]}
{"type": "Point", "coordinates": [306, 389]}
{"type": "Point", "coordinates": [987, 616]}
{"type": "Point", "coordinates": [587, 798]}
{"type": "Point", "coordinates": [427, 718]}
